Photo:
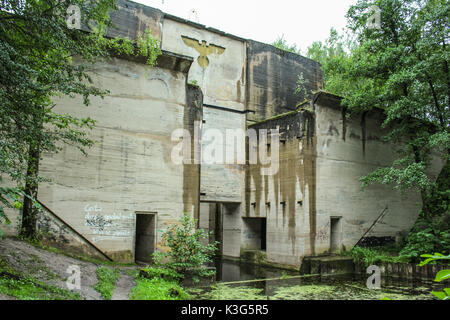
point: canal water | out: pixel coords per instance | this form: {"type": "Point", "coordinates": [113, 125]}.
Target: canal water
{"type": "Point", "coordinates": [241, 281]}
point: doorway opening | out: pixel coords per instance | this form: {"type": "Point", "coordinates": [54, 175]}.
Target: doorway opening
{"type": "Point", "coordinates": [145, 236]}
{"type": "Point", "coordinates": [211, 221]}
{"type": "Point", "coordinates": [335, 234]}
{"type": "Point", "coordinates": [255, 231]}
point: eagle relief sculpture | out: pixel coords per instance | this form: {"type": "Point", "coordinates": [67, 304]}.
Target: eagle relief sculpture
{"type": "Point", "coordinates": [203, 49]}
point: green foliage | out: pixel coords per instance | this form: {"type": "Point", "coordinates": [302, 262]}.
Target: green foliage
{"type": "Point", "coordinates": [107, 279]}
{"type": "Point", "coordinates": [43, 59]}
{"type": "Point", "coordinates": [157, 289]}
{"type": "Point", "coordinates": [441, 276]}
{"type": "Point", "coordinates": [334, 55]}
{"type": "Point", "coordinates": [187, 253]}
{"type": "Point", "coordinates": [194, 83]}
{"type": "Point", "coordinates": [401, 68]}
{"type": "Point", "coordinates": [222, 291]}
{"type": "Point", "coordinates": [32, 289]}
{"type": "Point", "coordinates": [372, 256]}
{"type": "Point", "coordinates": [427, 236]}
{"type": "Point", "coordinates": [301, 87]}
{"type": "Point", "coordinates": [161, 273]}
{"type": "Point", "coordinates": [149, 47]}
{"type": "Point", "coordinates": [281, 43]}
{"type": "Point", "coordinates": [14, 284]}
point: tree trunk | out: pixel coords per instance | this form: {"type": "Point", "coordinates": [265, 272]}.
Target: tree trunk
{"type": "Point", "coordinates": [30, 212]}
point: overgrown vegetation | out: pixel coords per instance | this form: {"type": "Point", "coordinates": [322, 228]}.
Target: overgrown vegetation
{"type": "Point", "coordinates": [226, 292]}
{"type": "Point", "coordinates": [14, 284]}
{"type": "Point", "coordinates": [402, 68]}
{"type": "Point", "coordinates": [372, 256]}
{"type": "Point", "coordinates": [427, 236]}
{"type": "Point", "coordinates": [186, 256]}
{"type": "Point", "coordinates": [107, 279]}
{"type": "Point", "coordinates": [158, 284]}
{"type": "Point", "coordinates": [161, 273]}
{"type": "Point", "coordinates": [326, 290]}
{"type": "Point", "coordinates": [282, 44]}
{"type": "Point", "coordinates": [443, 275]}
{"type": "Point", "coordinates": [187, 253]}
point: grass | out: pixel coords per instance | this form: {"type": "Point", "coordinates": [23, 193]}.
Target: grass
{"type": "Point", "coordinates": [28, 288]}
{"type": "Point", "coordinates": [107, 279]}
{"type": "Point", "coordinates": [157, 289]}
{"type": "Point", "coordinates": [158, 284]}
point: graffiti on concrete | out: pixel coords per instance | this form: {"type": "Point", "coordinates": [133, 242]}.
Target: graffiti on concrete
{"type": "Point", "coordinates": [323, 234]}
{"type": "Point", "coordinates": [115, 226]}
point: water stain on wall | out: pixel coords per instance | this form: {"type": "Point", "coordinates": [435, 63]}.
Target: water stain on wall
{"type": "Point", "coordinates": [297, 170]}
{"type": "Point", "coordinates": [191, 172]}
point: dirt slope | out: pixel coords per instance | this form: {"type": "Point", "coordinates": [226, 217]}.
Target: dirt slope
{"type": "Point", "coordinates": [51, 268]}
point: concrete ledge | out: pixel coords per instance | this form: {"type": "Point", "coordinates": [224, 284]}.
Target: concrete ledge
{"type": "Point", "coordinates": [328, 265]}
{"type": "Point", "coordinates": [259, 258]}
{"type": "Point", "coordinates": [406, 271]}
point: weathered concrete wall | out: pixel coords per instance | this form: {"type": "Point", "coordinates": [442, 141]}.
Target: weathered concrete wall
{"type": "Point", "coordinates": [348, 149]}
{"type": "Point", "coordinates": [129, 169]}
{"type": "Point", "coordinates": [219, 61]}
{"type": "Point", "coordinates": [58, 234]}
{"type": "Point", "coordinates": [323, 154]}
{"type": "Point", "coordinates": [132, 19]}
{"type": "Point", "coordinates": [222, 182]}
{"type": "Point", "coordinates": [277, 197]}
{"type": "Point", "coordinates": [219, 70]}
{"type": "Point", "coordinates": [272, 79]}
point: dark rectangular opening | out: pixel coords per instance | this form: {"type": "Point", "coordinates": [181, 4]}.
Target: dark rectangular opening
{"type": "Point", "coordinates": [335, 235]}
{"type": "Point", "coordinates": [264, 234]}
{"type": "Point", "coordinates": [218, 226]}
{"type": "Point", "coordinates": [145, 236]}
{"type": "Point", "coordinates": [256, 233]}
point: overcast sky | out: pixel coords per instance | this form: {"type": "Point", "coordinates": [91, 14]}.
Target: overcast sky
{"type": "Point", "coordinates": [300, 21]}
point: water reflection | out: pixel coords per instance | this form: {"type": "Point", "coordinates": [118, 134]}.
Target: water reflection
{"type": "Point", "coordinates": [274, 283]}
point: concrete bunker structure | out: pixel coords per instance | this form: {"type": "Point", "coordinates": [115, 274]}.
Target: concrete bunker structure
{"type": "Point", "coordinates": [112, 202]}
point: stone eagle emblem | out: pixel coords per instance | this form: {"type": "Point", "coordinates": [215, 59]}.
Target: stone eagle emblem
{"type": "Point", "coordinates": [203, 49]}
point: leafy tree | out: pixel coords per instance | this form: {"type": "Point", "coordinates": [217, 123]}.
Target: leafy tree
{"type": "Point", "coordinates": [334, 55]}
{"type": "Point", "coordinates": [402, 68]}
{"type": "Point", "coordinates": [282, 44]}
{"type": "Point", "coordinates": [38, 47]}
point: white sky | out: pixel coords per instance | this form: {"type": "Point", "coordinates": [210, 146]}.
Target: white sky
{"type": "Point", "coordinates": [301, 21]}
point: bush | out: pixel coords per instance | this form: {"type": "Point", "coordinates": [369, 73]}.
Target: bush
{"type": "Point", "coordinates": [187, 253]}
{"type": "Point", "coordinates": [427, 237]}
{"type": "Point", "coordinates": [160, 273]}
{"type": "Point", "coordinates": [372, 256]}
